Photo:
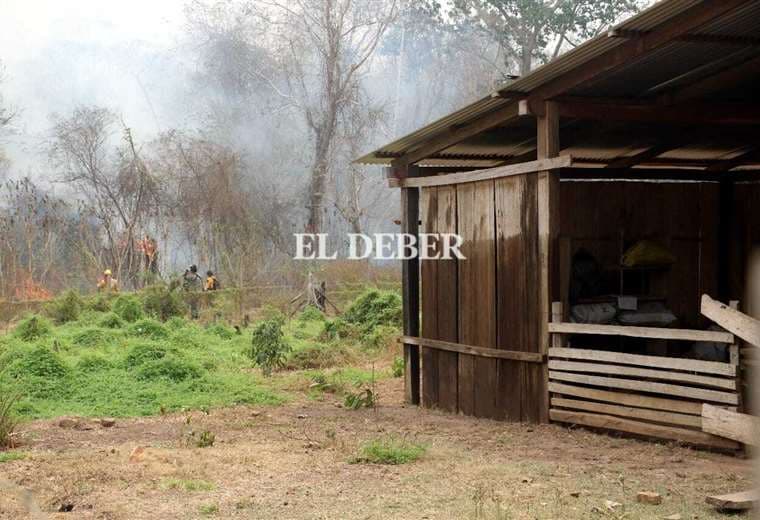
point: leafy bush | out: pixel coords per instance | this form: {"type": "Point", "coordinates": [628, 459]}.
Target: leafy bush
{"type": "Point", "coordinates": [32, 328]}
{"type": "Point", "coordinates": [364, 397]}
{"type": "Point", "coordinates": [101, 302]}
{"type": "Point", "coordinates": [128, 307]}
{"type": "Point", "coordinates": [91, 337]}
{"type": "Point", "coordinates": [173, 367]}
{"type": "Point", "coordinates": [162, 303]}
{"type": "Point", "coordinates": [38, 361]}
{"type": "Point", "coordinates": [8, 420]}
{"type": "Point", "coordinates": [381, 337]}
{"type": "Point", "coordinates": [222, 331]}
{"type": "Point", "coordinates": [269, 349]}
{"type": "Point", "coordinates": [389, 450]}
{"type": "Point", "coordinates": [397, 368]}
{"type": "Point", "coordinates": [145, 352]}
{"type": "Point", "coordinates": [111, 321]}
{"type": "Point", "coordinates": [92, 363]}
{"type": "Point", "coordinates": [339, 328]}
{"type": "Point", "coordinates": [148, 328]}
{"type": "Point", "coordinates": [374, 308]}
{"type": "Point", "coordinates": [311, 313]}
{"type": "Point", "coordinates": [318, 356]}
{"type": "Point", "coordinates": [175, 323]}
{"type": "Point", "coordinates": [65, 308]}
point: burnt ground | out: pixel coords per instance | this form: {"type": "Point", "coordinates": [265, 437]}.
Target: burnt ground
{"type": "Point", "coordinates": [292, 461]}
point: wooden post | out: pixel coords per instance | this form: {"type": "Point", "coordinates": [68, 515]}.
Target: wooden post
{"type": "Point", "coordinates": [410, 279]}
{"type": "Point", "coordinates": [547, 124]}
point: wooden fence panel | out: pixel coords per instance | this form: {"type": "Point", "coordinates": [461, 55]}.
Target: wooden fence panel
{"type": "Point", "coordinates": [429, 304]}
{"type": "Point", "coordinates": [447, 303]}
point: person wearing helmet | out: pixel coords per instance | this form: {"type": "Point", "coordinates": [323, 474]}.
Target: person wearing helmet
{"type": "Point", "coordinates": [108, 282]}
{"type": "Point", "coordinates": [212, 283]}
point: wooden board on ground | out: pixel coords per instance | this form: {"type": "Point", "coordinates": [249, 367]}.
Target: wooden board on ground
{"type": "Point", "coordinates": [736, 322]}
{"type": "Point", "coordinates": [731, 425]}
{"type": "Point", "coordinates": [691, 365]}
{"type": "Point", "coordinates": [740, 501]}
{"type": "Point", "coordinates": [609, 422]}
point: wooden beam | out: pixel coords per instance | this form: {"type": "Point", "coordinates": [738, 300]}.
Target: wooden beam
{"type": "Point", "coordinates": [646, 373]}
{"type": "Point", "coordinates": [627, 52]}
{"type": "Point", "coordinates": [642, 332]}
{"type": "Point", "coordinates": [628, 399]}
{"type": "Point", "coordinates": [628, 411]}
{"type": "Point", "coordinates": [724, 79]}
{"type": "Point", "coordinates": [753, 154]}
{"type": "Point", "coordinates": [480, 175]}
{"type": "Point", "coordinates": [605, 356]}
{"type": "Point", "coordinates": [699, 394]}
{"type": "Point", "coordinates": [685, 113]}
{"type": "Point", "coordinates": [721, 39]}
{"type": "Point", "coordinates": [746, 327]}
{"type": "Point", "coordinates": [576, 172]}
{"type": "Point", "coordinates": [410, 279]}
{"type": "Point", "coordinates": [609, 422]}
{"type": "Point", "coordinates": [731, 425]}
{"type": "Point", "coordinates": [647, 154]}
{"type": "Point", "coordinates": [514, 355]}
{"type": "Point", "coordinates": [454, 135]}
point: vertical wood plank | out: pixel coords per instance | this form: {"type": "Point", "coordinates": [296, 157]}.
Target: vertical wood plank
{"type": "Point", "coordinates": [517, 296]}
{"type": "Point", "coordinates": [477, 316]}
{"type": "Point", "coordinates": [447, 303]}
{"type": "Point", "coordinates": [548, 231]}
{"type": "Point", "coordinates": [410, 279]}
{"type": "Point", "coordinates": [430, 300]}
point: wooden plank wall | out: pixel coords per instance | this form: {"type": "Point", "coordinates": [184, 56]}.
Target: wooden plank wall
{"type": "Point", "coordinates": [635, 394]}
{"type": "Point", "coordinates": [490, 300]}
{"type": "Point", "coordinates": [683, 216]}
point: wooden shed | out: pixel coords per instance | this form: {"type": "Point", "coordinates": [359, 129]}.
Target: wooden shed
{"type": "Point", "coordinates": [642, 141]}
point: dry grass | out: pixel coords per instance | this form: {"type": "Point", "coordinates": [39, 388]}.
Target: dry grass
{"type": "Point", "coordinates": [292, 462]}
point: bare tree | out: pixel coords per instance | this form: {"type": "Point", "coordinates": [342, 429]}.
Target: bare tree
{"type": "Point", "coordinates": [112, 181]}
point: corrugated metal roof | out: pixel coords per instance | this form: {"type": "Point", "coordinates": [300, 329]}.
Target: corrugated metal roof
{"type": "Point", "coordinates": [673, 60]}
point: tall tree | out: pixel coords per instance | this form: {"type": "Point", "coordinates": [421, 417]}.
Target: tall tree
{"type": "Point", "coordinates": [534, 31]}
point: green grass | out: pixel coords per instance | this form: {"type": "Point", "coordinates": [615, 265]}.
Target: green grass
{"type": "Point", "coordinates": [389, 450]}
{"type": "Point", "coordinates": [208, 509]}
{"type": "Point", "coordinates": [114, 360]}
{"type": "Point", "coordinates": [8, 456]}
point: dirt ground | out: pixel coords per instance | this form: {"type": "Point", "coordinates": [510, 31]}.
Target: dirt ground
{"type": "Point", "coordinates": [292, 462]}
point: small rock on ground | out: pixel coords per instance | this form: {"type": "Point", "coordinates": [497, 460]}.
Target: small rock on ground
{"type": "Point", "coordinates": [649, 497]}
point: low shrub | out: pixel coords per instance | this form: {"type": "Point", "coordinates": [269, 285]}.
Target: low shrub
{"type": "Point", "coordinates": [389, 450]}
{"type": "Point", "coordinates": [381, 337]}
{"type": "Point", "coordinates": [144, 352]}
{"type": "Point", "coordinates": [128, 307]}
{"type": "Point", "coordinates": [38, 361]}
{"type": "Point", "coordinates": [162, 303]}
{"type": "Point", "coordinates": [10, 456]}
{"type": "Point", "coordinates": [319, 356]}
{"type": "Point", "coordinates": [101, 302]}
{"type": "Point", "coordinates": [32, 328]}
{"type": "Point", "coordinates": [269, 350]}
{"type": "Point", "coordinates": [65, 308]}
{"type": "Point", "coordinates": [148, 328]}
{"type": "Point", "coordinates": [222, 331]}
{"type": "Point", "coordinates": [93, 363]}
{"type": "Point", "coordinates": [339, 329]}
{"type": "Point", "coordinates": [91, 337]}
{"type": "Point", "coordinates": [397, 367]}
{"type": "Point", "coordinates": [8, 420]}
{"type": "Point", "coordinates": [175, 323]}
{"type": "Point", "coordinates": [364, 397]}
{"type": "Point", "coordinates": [111, 321]}
{"type": "Point", "coordinates": [374, 308]}
{"type": "Point", "coordinates": [172, 367]}
{"type": "Point", "coordinates": [311, 313]}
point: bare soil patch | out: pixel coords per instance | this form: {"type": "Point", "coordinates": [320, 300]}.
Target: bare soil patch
{"type": "Point", "coordinates": [292, 461]}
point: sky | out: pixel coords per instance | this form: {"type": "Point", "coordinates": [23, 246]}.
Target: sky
{"type": "Point", "coordinates": [60, 53]}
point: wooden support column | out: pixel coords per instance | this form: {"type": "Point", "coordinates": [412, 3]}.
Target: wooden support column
{"type": "Point", "coordinates": [410, 279]}
{"type": "Point", "coordinates": [548, 233]}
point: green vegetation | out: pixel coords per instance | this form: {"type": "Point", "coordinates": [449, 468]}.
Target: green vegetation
{"type": "Point", "coordinates": [162, 303]}
{"type": "Point", "coordinates": [363, 398]}
{"type": "Point", "coordinates": [397, 368]}
{"type": "Point", "coordinates": [372, 309]}
{"type": "Point", "coordinates": [8, 420]}
{"type": "Point", "coordinates": [389, 450]}
{"type": "Point", "coordinates": [65, 308]}
{"type": "Point", "coordinates": [118, 359]}
{"type": "Point", "coordinates": [208, 509]}
{"type": "Point", "coordinates": [269, 349]}
{"type": "Point", "coordinates": [8, 456]}
{"type": "Point", "coordinates": [187, 484]}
